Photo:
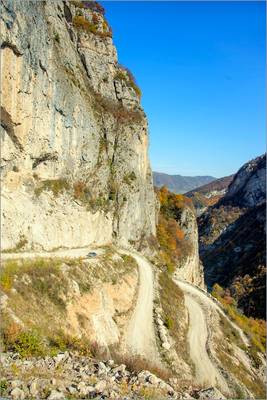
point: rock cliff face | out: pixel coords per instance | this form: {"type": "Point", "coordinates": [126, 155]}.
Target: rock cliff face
{"type": "Point", "coordinates": [75, 168]}
{"type": "Point", "coordinates": [177, 234]}
{"type": "Point", "coordinates": [232, 239]}
{"type": "Point", "coordinates": [190, 268]}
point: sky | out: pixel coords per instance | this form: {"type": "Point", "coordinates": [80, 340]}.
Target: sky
{"type": "Point", "coordinates": [201, 69]}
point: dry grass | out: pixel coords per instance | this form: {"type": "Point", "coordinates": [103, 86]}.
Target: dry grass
{"type": "Point", "coordinates": [135, 363]}
{"type": "Point", "coordinates": [38, 291]}
{"type": "Point", "coordinates": [172, 302]}
{"type": "Point", "coordinates": [238, 370]}
{"type": "Point", "coordinates": [80, 22]}
{"type": "Point", "coordinates": [56, 186]}
{"type": "Point", "coordinates": [124, 74]}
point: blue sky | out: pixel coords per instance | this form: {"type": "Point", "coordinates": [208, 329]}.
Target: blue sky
{"type": "Point", "coordinates": [201, 69]}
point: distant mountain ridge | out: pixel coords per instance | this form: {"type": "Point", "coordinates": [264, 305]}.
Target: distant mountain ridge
{"type": "Point", "coordinates": [208, 195]}
{"type": "Point", "coordinates": [180, 184]}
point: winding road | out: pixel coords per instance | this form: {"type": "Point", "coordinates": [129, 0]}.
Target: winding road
{"type": "Point", "coordinates": [200, 306]}
{"type": "Point", "coordinates": [140, 335]}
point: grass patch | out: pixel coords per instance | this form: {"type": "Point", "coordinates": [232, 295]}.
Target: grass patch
{"type": "Point", "coordinates": [42, 275]}
{"type": "Point", "coordinates": [19, 246]}
{"type": "Point", "coordinates": [174, 314]}
{"type": "Point", "coordinates": [3, 386]}
{"type": "Point", "coordinates": [56, 186]}
{"type": "Point", "coordinates": [42, 290]}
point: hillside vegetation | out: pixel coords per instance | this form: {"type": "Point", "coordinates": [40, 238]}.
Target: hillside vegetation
{"type": "Point", "coordinates": [173, 241]}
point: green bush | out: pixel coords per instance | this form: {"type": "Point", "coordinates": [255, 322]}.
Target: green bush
{"type": "Point", "coordinates": [26, 343]}
{"type": "Point", "coordinates": [3, 386]}
{"type": "Point", "coordinates": [169, 323]}
{"type": "Point", "coordinates": [64, 342]}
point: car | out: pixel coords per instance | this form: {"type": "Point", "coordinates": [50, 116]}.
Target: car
{"type": "Point", "coordinates": [91, 254]}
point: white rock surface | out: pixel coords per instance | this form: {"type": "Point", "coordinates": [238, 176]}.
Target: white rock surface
{"type": "Point", "coordinates": [54, 78]}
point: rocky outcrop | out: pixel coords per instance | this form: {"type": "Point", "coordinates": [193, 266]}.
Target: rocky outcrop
{"type": "Point", "coordinates": [85, 377]}
{"type": "Point", "coordinates": [75, 168]}
{"type": "Point", "coordinates": [177, 234]}
{"type": "Point", "coordinates": [248, 188]}
{"type": "Point", "coordinates": [232, 239]}
{"type": "Point", "coordinates": [190, 267]}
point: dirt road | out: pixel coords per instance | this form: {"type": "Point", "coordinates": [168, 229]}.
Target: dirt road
{"type": "Point", "coordinates": [68, 253]}
{"type": "Point", "coordinates": [140, 335]}
{"type": "Point", "coordinates": [198, 305]}
{"type": "Point", "coordinates": [207, 302]}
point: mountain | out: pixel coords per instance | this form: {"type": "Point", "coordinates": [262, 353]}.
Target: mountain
{"type": "Point", "coordinates": [232, 239]}
{"type": "Point", "coordinates": [102, 290]}
{"type": "Point", "coordinates": [178, 183]}
{"type": "Point", "coordinates": [207, 195]}
{"type": "Point", "coordinates": [74, 138]}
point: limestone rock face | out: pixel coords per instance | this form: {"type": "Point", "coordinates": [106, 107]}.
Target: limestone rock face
{"type": "Point", "coordinates": [232, 239]}
{"type": "Point", "coordinates": [249, 183]}
{"type": "Point", "coordinates": [74, 138]}
{"type": "Point", "coordinates": [190, 268]}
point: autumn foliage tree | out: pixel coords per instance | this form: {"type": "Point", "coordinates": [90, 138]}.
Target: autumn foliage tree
{"type": "Point", "coordinates": [171, 238]}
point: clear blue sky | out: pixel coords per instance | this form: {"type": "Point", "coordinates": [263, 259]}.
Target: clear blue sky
{"type": "Point", "coordinates": [201, 68]}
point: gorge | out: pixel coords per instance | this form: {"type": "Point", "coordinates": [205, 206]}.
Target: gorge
{"type": "Point", "coordinates": [103, 293]}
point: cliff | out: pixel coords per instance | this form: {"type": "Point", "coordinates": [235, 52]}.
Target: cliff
{"type": "Point", "coordinates": [74, 137]}
{"type": "Point", "coordinates": [232, 239]}
{"type": "Point", "coordinates": [177, 234]}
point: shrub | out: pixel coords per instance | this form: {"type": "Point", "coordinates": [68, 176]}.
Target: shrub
{"type": "Point", "coordinates": [3, 386]}
{"type": "Point", "coordinates": [56, 186]}
{"type": "Point", "coordinates": [79, 21]}
{"type": "Point", "coordinates": [129, 178]}
{"type": "Point", "coordinates": [26, 343]}
{"type": "Point", "coordinates": [122, 114]}
{"type": "Point", "coordinates": [91, 5]}
{"type": "Point", "coordinates": [7, 275]}
{"type": "Point", "coordinates": [81, 191]}
{"type": "Point", "coordinates": [169, 322]}
{"type": "Point", "coordinates": [64, 342]}
{"type": "Point", "coordinates": [56, 37]}
{"type": "Point", "coordinates": [124, 74]}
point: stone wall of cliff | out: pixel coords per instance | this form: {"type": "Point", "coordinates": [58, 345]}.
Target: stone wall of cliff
{"type": "Point", "coordinates": [190, 267]}
{"type": "Point", "coordinates": [74, 138]}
